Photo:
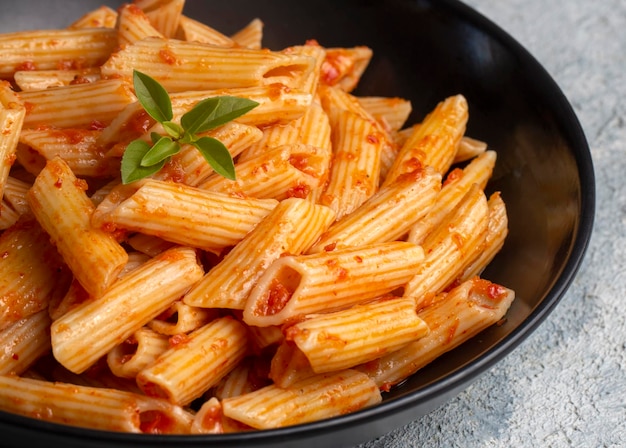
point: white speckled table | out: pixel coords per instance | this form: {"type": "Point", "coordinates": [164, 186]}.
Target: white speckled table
{"type": "Point", "coordinates": [565, 386]}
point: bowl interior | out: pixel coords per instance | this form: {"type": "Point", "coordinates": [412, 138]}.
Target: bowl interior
{"type": "Point", "coordinates": [425, 51]}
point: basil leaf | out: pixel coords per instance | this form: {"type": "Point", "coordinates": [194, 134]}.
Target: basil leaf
{"type": "Point", "coordinates": [155, 137]}
{"type": "Point", "coordinates": [131, 162]}
{"type": "Point", "coordinates": [161, 151]}
{"type": "Point", "coordinates": [174, 130]}
{"type": "Point", "coordinates": [153, 97]}
{"type": "Point", "coordinates": [213, 112]}
{"type": "Point", "coordinates": [217, 155]}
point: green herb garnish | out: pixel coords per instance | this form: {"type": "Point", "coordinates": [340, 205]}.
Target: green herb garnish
{"type": "Point", "coordinates": [141, 159]}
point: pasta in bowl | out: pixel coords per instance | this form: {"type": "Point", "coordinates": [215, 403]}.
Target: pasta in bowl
{"type": "Point", "coordinates": [347, 253]}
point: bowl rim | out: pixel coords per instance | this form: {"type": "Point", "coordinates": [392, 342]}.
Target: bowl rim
{"type": "Point", "coordinates": [581, 235]}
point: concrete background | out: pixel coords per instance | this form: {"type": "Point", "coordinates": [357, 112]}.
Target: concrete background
{"type": "Point", "coordinates": [565, 386]}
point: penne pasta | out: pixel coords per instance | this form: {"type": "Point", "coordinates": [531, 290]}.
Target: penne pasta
{"type": "Point", "coordinates": [102, 17]}
{"type": "Point", "coordinates": [181, 214]}
{"type": "Point", "coordinates": [92, 407]}
{"type": "Point", "coordinates": [31, 272]}
{"type": "Point", "coordinates": [23, 342]}
{"type": "Point", "coordinates": [251, 35]}
{"type": "Point", "coordinates": [451, 247]}
{"type": "Point", "coordinates": [456, 185]}
{"type": "Point", "coordinates": [294, 286]}
{"type": "Point", "coordinates": [77, 147]}
{"type": "Point", "coordinates": [55, 49]}
{"type": "Point", "coordinates": [315, 398]}
{"type": "Point", "coordinates": [137, 352]}
{"type": "Point", "coordinates": [133, 25]}
{"type": "Point", "coordinates": [434, 142]}
{"type": "Point", "coordinates": [362, 333]}
{"type": "Point", "coordinates": [182, 66]}
{"type": "Point", "coordinates": [393, 112]}
{"type": "Point", "coordinates": [339, 257]}
{"type": "Point", "coordinates": [166, 16]}
{"type": "Point", "coordinates": [62, 208]}
{"type": "Point", "coordinates": [193, 31]}
{"type": "Point", "coordinates": [279, 173]}
{"type": "Point", "coordinates": [454, 318]}
{"type": "Point", "coordinates": [82, 105]}
{"type": "Point", "coordinates": [12, 113]}
{"type": "Point", "coordinates": [497, 231]}
{"type": "Point", "coordinates": [28, 80]}
{"type": "Point", "coordinates": [290, 228]}
{"type": "Point", "coordinates": [196, 362]}
{"type": "Point", "coordinates": [138, 297]}
{"type": "Point", "coordinates": [181, 318]}
{"type": "Point", "coordinates": [387, 216]}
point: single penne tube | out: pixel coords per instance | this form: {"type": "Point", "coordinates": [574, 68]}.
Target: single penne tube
{"type": "Point", "coordinates": [193, 31]}
{"type": "Point", "coordinates": [22, 343]}
{"type": "Point", "coordinates": [30, 272]}
{"type": "Point", "coordinates": [278, 103]}
{"type": "Point", "coordinates": [54, 49]}
{"type": "Point", "coordinates": [211, 420]}
{"type": "Point", "coordinates": [76, 106]}
{"type": "Point", "coordinates": [102, 17]}
{"type": "Point", "coordinates": [77, 147]}
{"type": "Point", "coordinates": [295, 286]}
{"type": "Point", "coordinates": [251, 35]}
{"type": "Point", "coordinates": [84, 334]}
{"type": "Point", "coordinates": [357, 145]}
{"type": "Point", "coordinates": [315, 398]}
{"type": "Point", "coordinates": [285, 171]}
{"type": "Point", "coordinates": [450, 247]}
{"type": "Point", "coordinates": [434, 142]}
{"type": "Point", "coordinates": [191, 168]}
{"type": "Point", "coordinates": [362, 333]}
{"type": "Point", "coordinates": [62, 208]}
{"type": "Point", "coordinates": [457, 184]}
{"type": "Point", "coordinates": [12, 113]}
{"type": "Point", "coordinates": [182, 214]}
{"type": "Point", "coordinates": [182, 66]}
{"type": "Point", "coordinates": [182, 318]}
{"type": "Point", "coordinates": [28, 80]}
{"type": "Point", "coordinates": [92, 407]}
{"type": "Point", "coordinates": [289, 365]}
{"type": "Point", "coordinates": [497, 231]}
{"type": "Point", "coordinates": [133, 25]}
{"type": "Point", "coordinates": [455, 317]}
{"type": "Point", "coordinates": [394, 112]}
{"type": "Point", "coordinates": [290, 228]}
{"type": "Point", "coordinates": [137, 352]}
{"type": "Point", "coordinates": [343, 67]}
{"type": "Point", "coordinates": [387, 215]}
{"type": "Point", "coordinates": [198, 362]}
{"type": "Point", "coordinates": [166, 16]}
{"type": "Point", "coordinates": [468, 149]}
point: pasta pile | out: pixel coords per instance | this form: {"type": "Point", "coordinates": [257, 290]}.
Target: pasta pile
{"type": "Point", "coordinates": [344, 257]}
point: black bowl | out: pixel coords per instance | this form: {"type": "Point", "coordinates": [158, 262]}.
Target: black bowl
{"type": "Point", "coordinates": [424, 50]}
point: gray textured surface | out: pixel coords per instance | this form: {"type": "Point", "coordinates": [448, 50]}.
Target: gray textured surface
{"type": "Point", "coordinates": [565, 386]}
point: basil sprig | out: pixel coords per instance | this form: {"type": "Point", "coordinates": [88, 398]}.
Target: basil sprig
{"type": "Point", "coordinates": [141, 159]}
